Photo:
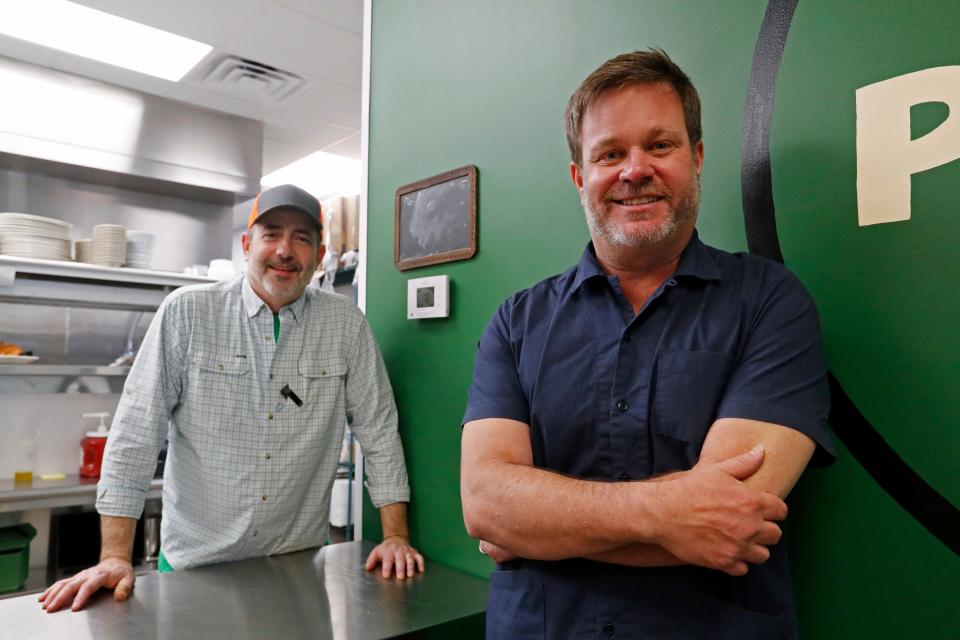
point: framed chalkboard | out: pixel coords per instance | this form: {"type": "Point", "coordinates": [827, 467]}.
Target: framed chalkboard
{"type": "Point", "coordinates": [435, 219]}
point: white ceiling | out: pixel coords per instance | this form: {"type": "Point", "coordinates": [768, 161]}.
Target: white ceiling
{"type": "Point", "coordinates": [320, 40]}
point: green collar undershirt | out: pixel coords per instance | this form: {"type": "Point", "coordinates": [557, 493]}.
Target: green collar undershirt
{"type": "Point", "coordinates": [276, 327]}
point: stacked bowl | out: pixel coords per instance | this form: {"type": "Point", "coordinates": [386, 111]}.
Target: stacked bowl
{"type": "Point", "coordinates": [109, 245]}
{"type": "Point", "coordinates": [28, 236]}
{"type": "Point", "coordinates": [139, 249]}
{"type": "Point", "coordinates": [83, 250]}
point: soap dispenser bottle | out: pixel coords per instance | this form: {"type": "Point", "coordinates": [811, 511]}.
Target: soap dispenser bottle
{"type": "Point", "coordinates": [92, 447]}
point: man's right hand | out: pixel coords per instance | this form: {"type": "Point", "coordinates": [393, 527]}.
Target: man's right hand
{"type": "Point", "coordinates": [112, 573]}
{"type": "Point", "coordinates": [710, 518]}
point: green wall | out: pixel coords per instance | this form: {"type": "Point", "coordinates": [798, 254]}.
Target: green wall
{"type": "Point", "coordinates": [485, 83]}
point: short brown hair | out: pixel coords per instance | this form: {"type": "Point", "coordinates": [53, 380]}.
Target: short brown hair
{"type": "Point", "coordinates": [638, 67]}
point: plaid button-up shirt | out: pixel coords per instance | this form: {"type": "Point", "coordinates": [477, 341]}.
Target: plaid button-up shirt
{"type": "Point", "coordinates": [248, 472]}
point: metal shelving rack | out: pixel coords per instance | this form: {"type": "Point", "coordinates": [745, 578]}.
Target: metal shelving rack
{"type": "Point", "coordinates": [75, 284]}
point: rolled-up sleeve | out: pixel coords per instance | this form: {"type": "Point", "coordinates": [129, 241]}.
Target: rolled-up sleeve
{"type": "Point", "coordinates": [371, 406]}
{"type": "Point", "coordinates": [140, 424]}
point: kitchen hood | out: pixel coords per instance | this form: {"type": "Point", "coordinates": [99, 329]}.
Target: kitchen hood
{"type": "Point", "coordinates": [125, 136]}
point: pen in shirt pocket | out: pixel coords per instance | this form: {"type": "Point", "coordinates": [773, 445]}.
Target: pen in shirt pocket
{"type": "Point", "coordinates": [288, 393]}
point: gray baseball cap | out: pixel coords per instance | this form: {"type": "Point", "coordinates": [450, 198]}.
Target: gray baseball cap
{"type": "Point", "coordinates": [286, 196]}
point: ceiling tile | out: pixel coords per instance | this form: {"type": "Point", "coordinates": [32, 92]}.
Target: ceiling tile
{"type": "Point", "coordinates": [346, 14]}
{"type": "Point", "coordinates": [302, 45]}
{"type": "Point", "coordinates": [349, 147]}
{"type": "Point", "coordinates": [209, 21]}
{"type": "Point", "coordinates": [303, 131]}
{"type": "Point", "coordinates": [278, 154]}
{"type": "Point", "coordinates": [220, 102]}
{"type": "Point", "coordinates": [328, 101]}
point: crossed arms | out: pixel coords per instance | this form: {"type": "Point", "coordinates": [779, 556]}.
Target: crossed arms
{"type": "Point", "coordinates": [720, 514]}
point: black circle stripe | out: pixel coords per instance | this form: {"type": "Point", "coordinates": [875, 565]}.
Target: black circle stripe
{"type": "Point", "coordinates": [755, 181]}
{"type": "Point", "coordinates": [874, 454]}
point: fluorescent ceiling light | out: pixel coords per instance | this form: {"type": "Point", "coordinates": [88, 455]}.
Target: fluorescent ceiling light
{"type": "Point", "coordinates": [86, 32]}
{"type": "Point", "coordinates": [325, 175]}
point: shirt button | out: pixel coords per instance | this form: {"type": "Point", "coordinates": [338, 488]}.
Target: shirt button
{"type": "Point", "coordinates": [608, 630]}
{"type": "Point", "coordinates": [622, 405]}
{"type": "Point", "coordinates": [268, 456]}
{"type": "Point", "coordinates": [220, 367]}
{"type": "Point", "coordinates": [272, 376]}
{"type": "Point", "coordinates": [623, 474]}
{"type": "Point", "coordinates": [270, 416]}
{"type": "Point", "coordinates": [254, 534]}
{"type": "Point", "coordinates": [263, 498]}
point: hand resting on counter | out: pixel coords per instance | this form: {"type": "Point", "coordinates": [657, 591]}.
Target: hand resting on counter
{"type": "Point", "coordinates": [396, 557]}
{"type": "Point", "coordinates": [111, 573]}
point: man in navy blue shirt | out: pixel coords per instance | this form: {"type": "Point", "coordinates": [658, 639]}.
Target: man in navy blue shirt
{"type": "Point", "coordinates": [635, 422]}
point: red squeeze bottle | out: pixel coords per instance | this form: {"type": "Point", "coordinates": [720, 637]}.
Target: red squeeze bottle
{"type": "Point", "coordinates": [92, 447]}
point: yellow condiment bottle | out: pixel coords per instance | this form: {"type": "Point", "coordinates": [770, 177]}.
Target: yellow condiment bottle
{"type": "Point", "coordinates": [26, 458]}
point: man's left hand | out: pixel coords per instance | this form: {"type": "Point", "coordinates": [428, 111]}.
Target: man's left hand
{"type": "Point", "coordinates": [396, 556]}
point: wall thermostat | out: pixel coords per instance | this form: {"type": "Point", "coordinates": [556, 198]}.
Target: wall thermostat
{"type": "Point", "coordinates": [428, 297]}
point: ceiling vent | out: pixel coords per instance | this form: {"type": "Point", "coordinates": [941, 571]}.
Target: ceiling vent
{"type": "Point", "coordinates": [249, 80]}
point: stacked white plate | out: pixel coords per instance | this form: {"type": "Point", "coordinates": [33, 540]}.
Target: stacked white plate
{"type": "Point", "coordinates": [139, 249]}
{"type": "Point", "coordinates": [109, 245]}
{"type": "Point", "coordinates": [28, 236]}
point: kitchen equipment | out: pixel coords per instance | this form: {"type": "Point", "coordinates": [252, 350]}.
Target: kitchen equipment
{"type": "Point", "coordinates": [152, 514]}
{"type": "Point", "coordinates": [83, 250]}
{"type": "Point", "coordinates": [139, 249]}
{"type": "Point", "coordinates": [29, 236]}
{"type": "Point", "coordinates": [26, 454]}
{"type": "Point", "coordinates": [221, 269]}
{"type": "Point", "coordinates": [92, 447]}
{"type": "Point", "coordinates": [109, 245]}
{"type": "Point", "coordinates": [15, 555]}
{"type": "Point", "coordinates": [18, 359]}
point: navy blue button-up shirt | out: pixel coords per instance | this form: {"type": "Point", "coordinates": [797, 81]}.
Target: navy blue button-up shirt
{"type": "Point", "coordinates": [614, 396]}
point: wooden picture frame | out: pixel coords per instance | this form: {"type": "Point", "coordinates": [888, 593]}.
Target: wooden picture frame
{"type": "Point", "coordinates": [435, 219]}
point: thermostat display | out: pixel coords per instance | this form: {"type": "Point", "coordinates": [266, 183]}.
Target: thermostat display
{"type": "Point", "coordinates": [428, 297]}
{"type": "Point", "coordinates": [425, 297]}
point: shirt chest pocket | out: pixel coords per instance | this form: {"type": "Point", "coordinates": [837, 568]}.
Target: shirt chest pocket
{"type": "Point", "coordinates": [216, 385]}
{"type": "Point", "coordinates": [322, 380]}
{"type": "Point", "coordinates": [221, 370]}
{"type": "Point", "coordinates": [689, 387]}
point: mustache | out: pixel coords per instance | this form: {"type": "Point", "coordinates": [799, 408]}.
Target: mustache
{"type": "Point", "coordinates": [638, 190]}
{"type": "Point", "coordinates": [285, 264]}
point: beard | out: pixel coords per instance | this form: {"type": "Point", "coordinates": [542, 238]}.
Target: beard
{"type": "Point", "coordinates": [289, 289]}
{"type": "Point", "coordinates": [684, 206]}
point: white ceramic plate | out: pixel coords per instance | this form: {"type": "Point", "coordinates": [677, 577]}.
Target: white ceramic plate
{"type": "Point", "coordinates": [18, 359]}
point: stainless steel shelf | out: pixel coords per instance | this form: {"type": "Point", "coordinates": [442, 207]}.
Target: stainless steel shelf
{"type": "Point", "coordinates": [76, 284]}
{"type": "Point", "coordinates": [63, 370]}
{"type": "Point", "coordinates": [61, 378]}
{"type": "Point", "coordinates": [46, 494]}
{"type": "Point", "coordinates": [84, 271]}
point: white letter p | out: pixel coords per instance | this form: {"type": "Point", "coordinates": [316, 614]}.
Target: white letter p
{"type": "Point", "coordinates": [886, 157]}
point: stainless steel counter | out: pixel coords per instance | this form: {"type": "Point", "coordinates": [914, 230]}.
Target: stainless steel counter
{"type": "Point", "coordinates": [47, 494]}
{"type": "Point", "coordinates": [309, 594]}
